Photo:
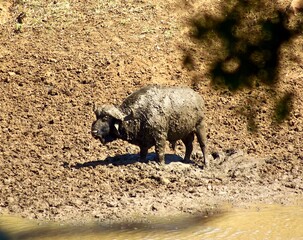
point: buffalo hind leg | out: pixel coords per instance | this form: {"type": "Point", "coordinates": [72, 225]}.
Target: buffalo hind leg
{"type": "Point", "coordinates": [201, 135]}
{"type": "Point", "coordinates": [188, 142]}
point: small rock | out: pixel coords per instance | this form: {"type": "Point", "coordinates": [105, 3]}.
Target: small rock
{"type": "Point", "coordinates": [197, 155]}
{"type": "Point", "coordinates": [136, 81]}
{"type": "Point", "coordinates": [290, 185]}
{"type": "Point", "coordinates": [12, 74]}
{"type": "Point", "coordinates": [222, 193]}
{"type": "Point", "coordinates": [164, 180]}
{"type": "Point", "coordinates": [53, 60]}
{"type": "Point", "coordinates": [290, 148]}
{"type": "Point", "coordinates": [77, 202]}
{"type": "Point", "coordinates": [111, 204]}
{"type": "Point", "coordinates": [10, 200]}
{"type": "Point", "coordinates": [8, 181]}
{"type": "Point", "coordinates": [215, 155]}
{"type": "Point", "coordinates": [53, 92]}
{"type": "Point", "coordinates": [156, 207]}
{"type": "Point", "coordinates": [291, 122]}
{"type": "Point", "coordinates": [270, 161]}
{"type": "Point", "coordinates": [132, 194]}
{"type": "Point", "coordinates": [230, 152]}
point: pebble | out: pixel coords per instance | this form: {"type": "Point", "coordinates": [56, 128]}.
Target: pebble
{"type": "Point", "coordinates": [290, 148]}
{"type": "Point", "coordinates": [111, 204]}
{"type": "Point", "coordinates": [164, 180]}
{"type": "Point", "coordinates": [53, 60]}
{"type": "Point", "coordinates": [12, 74]}
{"type": "Point", "coordinates": [77, 202]}
{"type": "Point", "coordinates": [133, 194]}
{"type": "Point", "coordinates": [10, 200]}
{"type": "Point", "coordinates": [157, 207]}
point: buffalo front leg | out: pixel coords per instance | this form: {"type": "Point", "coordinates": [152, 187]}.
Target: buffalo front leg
{"type": "Point", "coordinates": [201, 135]}
{"type": "Point", "coordinates": [160, 148]}
{"type": "Point", "coordinates": [143, 153]}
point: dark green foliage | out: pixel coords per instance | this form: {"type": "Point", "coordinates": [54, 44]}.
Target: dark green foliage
{"type": "Point", "coordinates": [249, 36]}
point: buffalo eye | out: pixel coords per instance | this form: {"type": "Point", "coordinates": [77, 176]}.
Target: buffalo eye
{"type": "Point", "coordinates": [105, 118]}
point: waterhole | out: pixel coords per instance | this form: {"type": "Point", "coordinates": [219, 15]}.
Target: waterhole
{"type": "Point", "coordinates": [254, 222]}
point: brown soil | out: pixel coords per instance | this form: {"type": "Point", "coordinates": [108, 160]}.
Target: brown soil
{"type": "Point", "coordinates": [65, 55]}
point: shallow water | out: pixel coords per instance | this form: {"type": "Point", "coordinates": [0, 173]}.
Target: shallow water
{"type": "Point", "coordinates": [257, 222]}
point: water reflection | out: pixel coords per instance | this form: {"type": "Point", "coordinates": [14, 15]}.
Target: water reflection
{"type": "Point", "coordinates": [266, 222]}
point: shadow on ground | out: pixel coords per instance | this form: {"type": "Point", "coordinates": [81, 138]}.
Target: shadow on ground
{"type": "Point", "coordinates": [98, 230]}
{"type": "Point", "coordinates": [126, 159]}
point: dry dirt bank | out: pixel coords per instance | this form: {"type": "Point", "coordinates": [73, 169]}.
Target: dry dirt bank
{"type": "Point", "coordinates": [65, 56]}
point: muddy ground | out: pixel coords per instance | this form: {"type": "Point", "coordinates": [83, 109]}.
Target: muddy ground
{"type": "Point", "coordinates": [64, 56]}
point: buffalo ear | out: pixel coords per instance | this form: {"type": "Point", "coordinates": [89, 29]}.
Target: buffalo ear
{"type": "Point", "coordinates": [109, 110]}
{"type": "Point", "coordinates": [97, 110]}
